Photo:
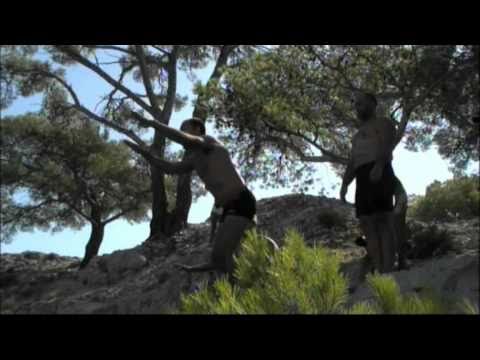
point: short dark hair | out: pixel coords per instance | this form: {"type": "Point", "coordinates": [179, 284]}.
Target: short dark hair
{"type": "Point", "coordinates": [196, 122]}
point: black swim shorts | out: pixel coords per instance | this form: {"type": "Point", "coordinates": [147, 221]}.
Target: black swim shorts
{"type": "Point", "coordinates": [374, 198]}
{"type": "Point", "coordinates": [244, 205]}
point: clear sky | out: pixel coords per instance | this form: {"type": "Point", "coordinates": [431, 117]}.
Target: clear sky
{"type": "Point", "coordinates": [416, 170]}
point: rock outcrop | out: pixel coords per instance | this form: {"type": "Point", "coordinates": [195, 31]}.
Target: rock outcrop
{"type": "Point", "coordinates": [147, 280]}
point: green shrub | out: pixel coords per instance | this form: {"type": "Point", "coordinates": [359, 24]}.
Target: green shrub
{"type": "Point", "coordinates": [299, 280]}
{"type": "Point", "coordinates": [388, 299]}
{"type": "Point", "coordinates": [331, 219]}
{"type": "Point", "coordinates": [294, 280]}
{"type": "Point", "coordinates": [466, 307]}
{"type": "Point", "coordinates": [452, 199]}
{"type": "Point", "coordinates": [428, 242]}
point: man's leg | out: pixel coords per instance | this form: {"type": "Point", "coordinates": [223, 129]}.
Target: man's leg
{"type": "Point", "coordinates": [388, 242]}
{"type": "Point", "coordinates": [400, 215]}
{"type": "Point", "coordinates": [368, 224]}
{"type": "Point", "coordinates": [227, 242]}
{"type": "Point", "coordinates": [401, 233]}
{"type": "Point", "coordinates": [223, 244]}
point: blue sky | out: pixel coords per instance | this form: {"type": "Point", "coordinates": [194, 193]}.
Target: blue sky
{"type": "Point", "coordinates": [416, 170]}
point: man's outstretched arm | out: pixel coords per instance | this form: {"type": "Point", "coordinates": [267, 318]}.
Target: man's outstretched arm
{"type": "Point", "coordinates": [166, 166]}
{"type": "Point", "coordinates": [177, 136]}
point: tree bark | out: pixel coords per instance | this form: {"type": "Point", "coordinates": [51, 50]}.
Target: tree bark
{"type": "Point", "coordinates": [159, 225]}
{"type": "Point", "coordinates": [184, 191]}
{"type": "Point", "coordinates": [183, 202]}
{"type": "Point", "coordinates": [96, 237]}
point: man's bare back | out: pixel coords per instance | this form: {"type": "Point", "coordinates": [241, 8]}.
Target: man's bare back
{"type": "Point", "coordinates": [367, 142]}
{"type": "Point", "coordinates": [215, 168]}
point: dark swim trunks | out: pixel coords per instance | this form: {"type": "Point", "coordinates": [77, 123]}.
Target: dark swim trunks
{"type": "Point", "coordinates": [374, 198]}
{"type": "Point", "coordinates": [244, 205]}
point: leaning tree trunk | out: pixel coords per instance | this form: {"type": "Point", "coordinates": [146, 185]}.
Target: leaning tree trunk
{"type": "Point", "coordinates": [183, 203]}
{"type": "Point", "coordinates": [96, 237]}
{"type": "Point", "coordinates": [161, 219]}
{"type": "Point", "coordinates": [184, 190]}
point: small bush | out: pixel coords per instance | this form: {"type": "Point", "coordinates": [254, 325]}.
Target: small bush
{"type": "Point", "coordinates": [428, 242]}
{"type": "Point", "coordinates": [294, 280]}
{"type": "Point", "coordinates": [299, 280]}
{"type": "Point", "coordinates": [453, 199]}
{"type": "Point", "coordinates": [466, 307]}
{"type": "Point", "coordinates": [388, 299]}
{"type": "Point", "coordinates": [331, 219]}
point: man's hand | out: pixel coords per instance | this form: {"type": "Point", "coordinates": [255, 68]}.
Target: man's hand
{"type": "Point", "coordinates": [376, 173]}
{"type": "Point", "coordinates": [343, 193]}
{"type": "Point", "coordinates": [401, 204]}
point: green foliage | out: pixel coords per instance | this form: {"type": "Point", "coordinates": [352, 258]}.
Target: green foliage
{"type": "Point", "coordinates": [388, 300]}
{"type": "Point", "coordinates": [42, 70]}
{"type": "Point", "coordinates": [428, 242]}
{"type": "Point", "coordinates": [466, 307]}
{"type": "Point", "coordinates": [331, 219]}
{"type": "Point", "coordinates": [294, 103]}
{"type": "Point", "coordinates": [361, 308]}
{"type": "Point", "coordinates": [294, 280]}
{"type": "Point", "coordinates": [302, 280]}
{"type": "Point", "coordinates": [386, 292]}
{"type": "Point", "coordinates": [458, 198]}
{"type": "Point", "coordinates": [63, 173]}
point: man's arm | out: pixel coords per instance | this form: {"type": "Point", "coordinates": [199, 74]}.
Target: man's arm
{"type": "Point", "coordinates": [387, 133]}
{"type": "Point", "coordinates": [177, 136]}
{"type": "Point", "coordinates": [348, 177]}
{"type": "Point", "coordinates": [166, 166]}
{"type": "Point", "coordinates": [401, 197]}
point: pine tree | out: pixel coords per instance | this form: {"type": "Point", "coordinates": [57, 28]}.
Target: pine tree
{"type": "Point", "coordinates": [60, 172]}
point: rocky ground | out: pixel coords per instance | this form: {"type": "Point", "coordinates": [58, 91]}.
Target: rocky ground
{"type": "Point", "coordinates": [146, 280]}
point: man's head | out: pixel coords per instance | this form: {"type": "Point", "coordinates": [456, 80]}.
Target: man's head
{"type": "Point", "coordinates": [193, 126]}
{"type": "Point", "coordinates": [365, 105]}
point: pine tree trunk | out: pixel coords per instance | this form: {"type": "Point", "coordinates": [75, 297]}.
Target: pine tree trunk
{"type": "Point", "coordinates": [93, 245]}
{"type": "Point", "coordinates": [184, 190]}
{"type": "Point", "coordinates": [183, 203]}
{"type": "Point", "coordinates": [159, 225]}
{"type": "Point", "coordinates": [184, 185]}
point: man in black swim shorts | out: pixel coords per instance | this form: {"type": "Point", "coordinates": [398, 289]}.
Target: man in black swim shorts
{"type": "Point", "coordinates": [371, 165]}
{"type": "Point", "coordinates": [213, 164]}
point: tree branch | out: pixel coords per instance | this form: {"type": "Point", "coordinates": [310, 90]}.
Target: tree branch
{"type": "Point", "coordinates": [88, 64]}
{"type": "Point", "coordinates": [110, 47]}
{"type": "Point", "coordinates": [301, 154]}
{"type": "Point", "coordinates": [163, 51]}
{"type": "Point", "coordinates": [200, 110]}
{"type": "Point", "coordinates": [146, 79]}
{"type": "Point", "coordinates": [172, 86]}
{"type": "Point", "coordinates": [77, 105]}
{"type": "Point", "coordinates": [327, 153]}
{"type": "Point", "coordinates": [409, 108]}
{"type": "Point", "coordinates": [120, 214]}
{"type": "Point", "coordinates": [78, 211]}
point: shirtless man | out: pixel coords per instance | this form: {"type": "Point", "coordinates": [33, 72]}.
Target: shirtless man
{"type": "Point", "coordinates": [371, 165]}
{"type": "Point", "coordinates": [235, 204]}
